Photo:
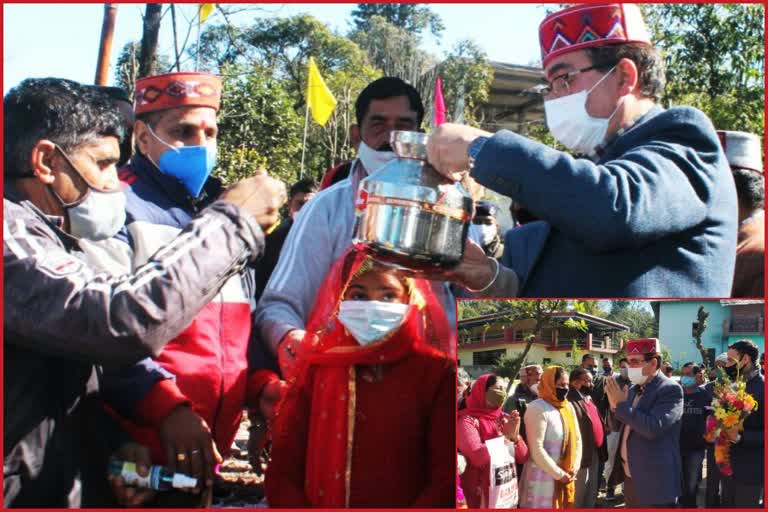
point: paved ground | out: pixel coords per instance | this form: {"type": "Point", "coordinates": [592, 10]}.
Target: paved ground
{"type": "Point", "coordinates": [239, 486]}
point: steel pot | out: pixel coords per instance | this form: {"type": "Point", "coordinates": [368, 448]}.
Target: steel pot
{"type": "Point", "coordinates": [408, 214]}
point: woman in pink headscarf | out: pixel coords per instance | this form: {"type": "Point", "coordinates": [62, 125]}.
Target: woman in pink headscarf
{"type": "Point", "coordinates": [480, 421]}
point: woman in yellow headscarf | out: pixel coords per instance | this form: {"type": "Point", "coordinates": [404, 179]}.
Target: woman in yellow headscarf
{"type": "Point", "coordinates": [554, 443]}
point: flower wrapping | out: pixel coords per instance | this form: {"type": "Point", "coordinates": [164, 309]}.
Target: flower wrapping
{"type": "Point", "coordinates": [731, 404]}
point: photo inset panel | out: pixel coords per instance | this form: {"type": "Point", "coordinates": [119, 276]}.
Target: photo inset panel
{"type": "Point", "coordinates": [610, 403]}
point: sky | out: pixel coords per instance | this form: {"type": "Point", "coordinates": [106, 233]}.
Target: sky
{"type": "Point", "coordinates": [62, 40]}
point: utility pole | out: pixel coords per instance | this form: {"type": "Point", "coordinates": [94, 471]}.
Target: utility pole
{"type": "Point", "coordinates": [105, 45]}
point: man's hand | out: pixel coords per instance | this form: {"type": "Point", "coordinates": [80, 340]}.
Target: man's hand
{"type": "Point", "coordinates": [132, 496]}
{"type": "Point", "coordinates": [475, 271]}
{"type": "Point", "coordinates": [614, 392]}
{"type": "Point", "coordinates": [259, 195]}
{"type": "Point", "coordinates": [733, 434]}
{"type": "Point", "coordinates": [189, 446]}
{"type": "Point", "coordinates": [270, 398]}
{"type": "Point", "coordinates": [287, 350]}
{"type": "Point", "coordinates": [447, 148]}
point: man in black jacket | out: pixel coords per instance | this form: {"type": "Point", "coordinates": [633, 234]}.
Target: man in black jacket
{"type": "Point", "coordinates": [744, 488]}
{"type": "Point", "coordinates": [61, 315]}
{"type": "Point", "coordinates": [592, 429]}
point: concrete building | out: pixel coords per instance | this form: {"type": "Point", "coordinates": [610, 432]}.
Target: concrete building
{"type": "Point", "coordinates": [485, 339]}
{"type": "Point", "coordinates": [729, 321]}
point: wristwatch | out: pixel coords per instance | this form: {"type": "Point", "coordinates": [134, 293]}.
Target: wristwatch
{"type": "Point", "coordinates": [474, 149]}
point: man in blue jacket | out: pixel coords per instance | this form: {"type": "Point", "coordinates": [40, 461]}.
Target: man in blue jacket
{"type": "Point", "coordinates": [650, 210]}
{"type": "Point", "coordinates": [744, 488]}
{"type": "Point", "coordinates": [648, 416]}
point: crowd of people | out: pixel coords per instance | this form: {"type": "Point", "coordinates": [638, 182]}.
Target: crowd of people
{"type": "Point", "coordinates": [147, 305]}
{"type": "Point", "coordinates": [565, 436]}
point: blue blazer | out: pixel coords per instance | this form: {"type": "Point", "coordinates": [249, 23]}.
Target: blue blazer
{"type": "Point", "coordinates": [653, 446]}
{"type": "Point", "coordinates": [654, 216]}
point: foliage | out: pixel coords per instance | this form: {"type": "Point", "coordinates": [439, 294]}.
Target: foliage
{"type": "Point", "coordinates": [127, 66]}
{"type": "Point", "coordinates": [412, 18]}
{"type": "Point", "coordinates": [540, 310]}
{"type": "Point", "coordinates": [472, 308]}
{"type": "Point", "coordinates": [698, 332]}
{"type": "Point", "coordinates": [714, 55]}
{"type": "Point", "coordinates": [467, 78]}
{"type": "Point", "coordinates": [397, 52]}
{"type": "Point", "coordinates": [641, 322]}
{"type": "Point", "coordinates": [280, 49]}
{"type": "Point", "coordinates": [258, 126]}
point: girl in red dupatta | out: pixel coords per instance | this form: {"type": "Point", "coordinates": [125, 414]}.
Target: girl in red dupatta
{"type": "Point", "coordinates": [368, 420]}
{"type": "Point", "coordinates": [481, 420]}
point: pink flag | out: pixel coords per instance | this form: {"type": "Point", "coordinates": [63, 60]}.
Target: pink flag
{"type": "Point", "coordinates": [439, 103]}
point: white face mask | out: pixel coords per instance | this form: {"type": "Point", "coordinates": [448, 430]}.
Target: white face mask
{"type": "Point", "coordinates": [636, 376]}
{"type": "Point", "coordinates": [371, 320]}
{"type": "Point", "coordinates": [99, 216]}
{"type": "Point", "coordinates": [572, 126]}
{"type": "Point", "coordinates": [535, 388]}
{"type": "Point", "coordinates": [373, 160]}
{"type": "Point", "coordinates": [486, 232]}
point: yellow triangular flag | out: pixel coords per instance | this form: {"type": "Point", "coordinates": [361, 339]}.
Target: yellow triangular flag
{"type": "Point", "coordinates": [205, 11]}
{"type": "Point", "coordinates": [319, 98]}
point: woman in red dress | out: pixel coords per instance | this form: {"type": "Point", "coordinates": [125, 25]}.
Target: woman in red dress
{"type": "Point", "coordinates": [369, 420]}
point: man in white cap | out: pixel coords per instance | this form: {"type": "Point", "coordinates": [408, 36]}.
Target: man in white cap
{"type": "Point", "coordinates": [746, 160]}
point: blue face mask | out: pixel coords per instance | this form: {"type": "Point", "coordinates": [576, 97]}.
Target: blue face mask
{"type": "Point", "coordinates": [191, 165]}
{"type": "Point", "coordinates": [687, 381]}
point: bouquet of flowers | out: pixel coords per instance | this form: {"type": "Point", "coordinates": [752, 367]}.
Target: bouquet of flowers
{"type": "Point", "coordinates": [731, 404]}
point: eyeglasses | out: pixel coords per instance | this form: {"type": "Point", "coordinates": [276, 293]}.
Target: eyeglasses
{"type": "Point", "coordinates": [561, 84]}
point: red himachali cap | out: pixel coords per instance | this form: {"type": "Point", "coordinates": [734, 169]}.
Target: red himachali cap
{"type": "Point", "coordinates": [172, 90]}
{"type": "Point", "coordinates": [644, 346]}
{"type": "Point", "coordinates": [583, 26]}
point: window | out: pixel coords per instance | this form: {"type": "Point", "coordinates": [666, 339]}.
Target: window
{"type": "Point", "coordinates": [487, 357]}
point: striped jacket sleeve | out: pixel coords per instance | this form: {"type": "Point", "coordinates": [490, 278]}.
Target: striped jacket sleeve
{"type": "Point", "coordinates": [56, 303]}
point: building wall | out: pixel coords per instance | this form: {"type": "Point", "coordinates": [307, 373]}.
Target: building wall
{"type": "Point", "coordinates": [675, 326]}
{"type": "Point", "coordinates": [536, 355]}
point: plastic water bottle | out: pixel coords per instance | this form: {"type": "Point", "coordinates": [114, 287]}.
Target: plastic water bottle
{"type": "Point", "coordinates": [158, 479]}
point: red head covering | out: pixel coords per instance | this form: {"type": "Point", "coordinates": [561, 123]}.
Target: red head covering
{"type": "Point", "coordinates": [331, 353]}
{"type": "Point", "coordinates": [476, 407]}
{"type": "Point", "coordinates": [172, 90]}
{"type": "Point", "coordinates": [584, 26]}
{"type": "Point", "coordinates": [644, 346]}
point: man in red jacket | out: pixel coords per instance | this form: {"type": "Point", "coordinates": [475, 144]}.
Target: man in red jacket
{"type": "Point", "coordinates": [186, 404]}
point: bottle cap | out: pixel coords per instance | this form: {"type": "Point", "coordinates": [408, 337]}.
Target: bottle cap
{"type": "Point", "coordinates": [182, 481]}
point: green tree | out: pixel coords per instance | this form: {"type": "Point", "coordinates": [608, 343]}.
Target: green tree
{"type": "Point", "coordinates": [698, 332]}
{"type": "Point", "coordinates": [541, 311]}
{"type": "Point", "coordinates": [641, 322]}
{"type": "Point", "coordinates": [258, 126]}
{"type": "Point", "coordinates": [467, 78]}
{"type": "Point", "coordinates": [397, 52]}
{"type": "Point", "coordinates": [714, 55]}
{"type": "Point", "coordinates": [127, 66]}
{"type": "Point", "coordinates": [413, 18]}
{"type": "Point", "coordinates": [473, 308]}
